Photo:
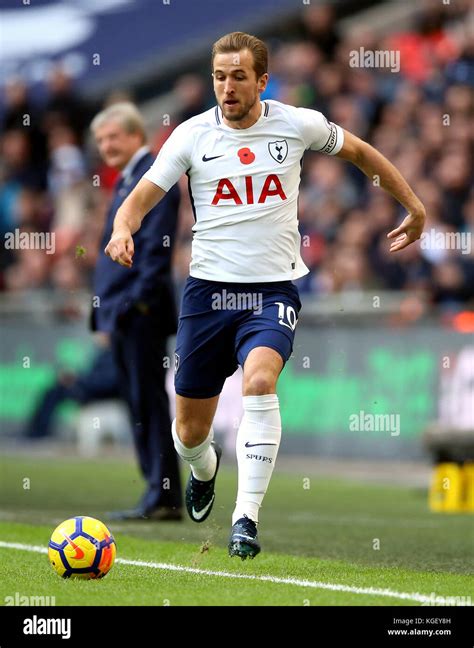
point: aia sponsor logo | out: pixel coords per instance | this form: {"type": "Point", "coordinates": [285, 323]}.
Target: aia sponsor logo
{"type": "Point", "coordinates": [226, 191]}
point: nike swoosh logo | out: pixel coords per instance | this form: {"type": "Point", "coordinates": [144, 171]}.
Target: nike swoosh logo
{"type": "Point", "coordinates": [198, 515]}
{"type": "Point", "coordinates": [208, 159]}
{"type": "Point", "coordinates": [79, 552]}
{"type": "Point", "coordinates": [252, 445]}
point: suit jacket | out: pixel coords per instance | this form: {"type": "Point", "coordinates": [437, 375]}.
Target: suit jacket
{"type": "Point", "coordinates": [149, 279]}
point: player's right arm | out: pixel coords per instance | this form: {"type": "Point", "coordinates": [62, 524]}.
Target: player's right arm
{"type": "Point", "coordinates": [173, 160]}
{"type": "Point", "coordinates": [128, 220]}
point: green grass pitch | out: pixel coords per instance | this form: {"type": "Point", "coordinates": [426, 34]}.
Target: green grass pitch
{"type": "Point", "coordinates": [324, 542]}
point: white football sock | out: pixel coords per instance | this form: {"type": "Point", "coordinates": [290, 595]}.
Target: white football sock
{"type": "Point", "coordinates": [202, 458]}
{"type": "Point", "coordinates": [258, 440]}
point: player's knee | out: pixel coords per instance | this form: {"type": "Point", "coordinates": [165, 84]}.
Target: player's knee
{"type": "Point", "coordinates": [191, 435]}
{"type": "Point", "coordinates": [258, 384]}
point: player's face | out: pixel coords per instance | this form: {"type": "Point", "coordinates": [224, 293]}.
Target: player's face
{"type": "Point", "coordinates": [116, 146]}
{"type": "Point", "coordinates": [236, 85]}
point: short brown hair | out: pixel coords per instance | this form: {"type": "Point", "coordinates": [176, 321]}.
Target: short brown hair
{"type": "Point", "coordinates": [236, 41]}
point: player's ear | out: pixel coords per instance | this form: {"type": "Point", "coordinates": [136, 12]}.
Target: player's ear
{"type": "Point", "coordinates": [262, 82]}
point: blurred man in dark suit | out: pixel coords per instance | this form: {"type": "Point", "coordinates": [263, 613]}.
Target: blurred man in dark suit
{"type": "Point", "coordinates": [136, 306]}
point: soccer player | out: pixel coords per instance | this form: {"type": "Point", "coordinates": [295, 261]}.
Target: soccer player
{"type": "Point", "coordinates": [239, 305]}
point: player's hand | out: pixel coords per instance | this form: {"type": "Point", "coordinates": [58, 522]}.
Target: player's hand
{"type": "Point", "coordinates": [408, 232]}
{"type": "Point", "coordinates": [120, 248]}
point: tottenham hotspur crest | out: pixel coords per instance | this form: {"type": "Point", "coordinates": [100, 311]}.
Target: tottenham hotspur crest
{"type": "Point", "coordinates": [278, 150]}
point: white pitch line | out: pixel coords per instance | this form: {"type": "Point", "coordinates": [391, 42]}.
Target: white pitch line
{"type": "Point", "coordinates": [335, 587]}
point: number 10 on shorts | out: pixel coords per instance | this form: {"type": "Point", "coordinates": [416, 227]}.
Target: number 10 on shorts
{"type": "Point", "coordinates": [289, 313]}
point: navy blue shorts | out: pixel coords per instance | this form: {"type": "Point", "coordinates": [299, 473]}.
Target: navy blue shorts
{"type": "Point", "coordinates": [221, 322]}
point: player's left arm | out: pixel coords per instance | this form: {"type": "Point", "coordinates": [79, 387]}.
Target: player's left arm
{"type": "Point", "coordinates": [373, 163]}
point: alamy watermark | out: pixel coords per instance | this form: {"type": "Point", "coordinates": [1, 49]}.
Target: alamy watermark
{"type": "Point", "coordinates": [448, 600]}
{"type": "Point", "coordinates": [39, 626]}
{"type": "Point", "coordinates": [363, 58]}
{"type": "Point", "coordinates": [363, 422]}
{"type": "Point", "coordinates": [18, 240]}
{"type": "Point", "coordinates": [436, 240]}
{"type": "Point", "coordinates": [23, 600]}
{"type": "Point", "coordinates": [227, 300]}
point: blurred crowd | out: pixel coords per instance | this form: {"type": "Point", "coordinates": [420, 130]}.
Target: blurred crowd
{"type": "Point", "coordinates": [420, 118]}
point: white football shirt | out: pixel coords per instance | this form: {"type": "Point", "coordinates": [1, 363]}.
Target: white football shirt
{"type": "Point", "coordinates": [244, 187]}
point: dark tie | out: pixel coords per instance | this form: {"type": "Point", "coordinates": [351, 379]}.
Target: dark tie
{"type": "Point", "coordinates": [120, 186]}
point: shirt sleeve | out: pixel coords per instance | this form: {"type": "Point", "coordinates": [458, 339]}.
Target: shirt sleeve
{"type": "Point", "coordinates": [318, 133]}
{"type": "Point", "coordinates": [173, 160]}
